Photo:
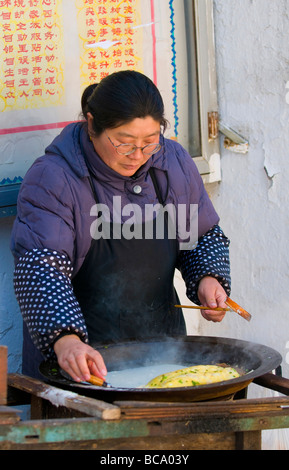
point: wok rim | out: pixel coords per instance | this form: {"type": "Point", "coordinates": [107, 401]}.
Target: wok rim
{"type": "Point", "coordinates": [271, 363]}
{"type": "Point", "coordinates": [275, 361]}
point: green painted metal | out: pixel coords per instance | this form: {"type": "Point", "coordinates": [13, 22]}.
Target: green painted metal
{"type": "Point", "coordinates": [80, 429]}
{"type": "Point", "coordinates": [90, 429]}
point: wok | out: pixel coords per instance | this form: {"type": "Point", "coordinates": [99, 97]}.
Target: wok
{"type": "Point", "coordinates": [250, 359]}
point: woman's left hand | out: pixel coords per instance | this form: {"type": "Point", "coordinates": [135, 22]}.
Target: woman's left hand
{"type": "Point", "coordinates": [212, 294]}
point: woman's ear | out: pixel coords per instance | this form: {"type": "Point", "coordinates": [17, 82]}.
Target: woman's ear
{"type": "Point", "coordinates": [89, 117]}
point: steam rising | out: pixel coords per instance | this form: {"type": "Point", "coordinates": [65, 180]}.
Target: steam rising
{"type": "Point", "coordinates": [168, 354]}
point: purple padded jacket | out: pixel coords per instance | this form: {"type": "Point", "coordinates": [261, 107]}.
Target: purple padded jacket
{"type": "Point", "coordinates": [55, 198]}
{"type": "Point", "coordinates": [54, 218]}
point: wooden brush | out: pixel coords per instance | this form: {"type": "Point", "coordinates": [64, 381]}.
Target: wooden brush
{"type": "Point", "coordinates": [239, 310]}
{"type": "Point", "coordinates": [231, 304]}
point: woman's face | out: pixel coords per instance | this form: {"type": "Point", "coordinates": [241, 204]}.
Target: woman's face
{"type": "Point", "coordinates": [139, 132]}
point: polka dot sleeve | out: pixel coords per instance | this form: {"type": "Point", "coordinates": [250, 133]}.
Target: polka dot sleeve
{"type": "Point", "coordinates": [42, 282]}
{"type": "Point", "coordinates": [209, 258]}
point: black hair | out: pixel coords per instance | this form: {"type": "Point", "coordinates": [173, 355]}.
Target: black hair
{"type": "Point", "coordinates": [120, 98]}
{"type": "Point", "coordinates": [86, 95]}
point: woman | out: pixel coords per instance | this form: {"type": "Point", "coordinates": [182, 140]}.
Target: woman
{"type": "Point", "coordinates": [86, 271]}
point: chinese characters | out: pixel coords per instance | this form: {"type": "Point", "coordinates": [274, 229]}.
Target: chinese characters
{"type": "Point", "coordinates": [32, 49]}
{"type": "Point", "coordinates": [32, 53]}
{"type": "Point", "coordinates": [110, 38]}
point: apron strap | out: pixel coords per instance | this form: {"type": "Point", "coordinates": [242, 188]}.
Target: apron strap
{"type": "Point", "coordinates": [156, 186]}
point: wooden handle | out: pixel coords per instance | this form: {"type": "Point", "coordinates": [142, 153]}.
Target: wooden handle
{"type": "Point", "coordinates": [239, 310]}
{"type": "Point", "coordinates": [96, 380]}
{"type": "Point", "coordinates": [273, 382]}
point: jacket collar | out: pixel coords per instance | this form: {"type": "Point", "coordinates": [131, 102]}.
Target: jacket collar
{"type": "Point", "coordinates": [74, 146]}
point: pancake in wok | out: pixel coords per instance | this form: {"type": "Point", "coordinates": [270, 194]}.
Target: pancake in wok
{"type": "Point", "coordinates": [193, 376]}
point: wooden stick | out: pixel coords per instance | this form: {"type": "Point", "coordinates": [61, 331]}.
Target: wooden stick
{"type": "Point", "coordinates": [59, 397]}
{"type": "Point", "coordinates": [216, 309]}
{"type": "Point", "coordinates": [3, 374]}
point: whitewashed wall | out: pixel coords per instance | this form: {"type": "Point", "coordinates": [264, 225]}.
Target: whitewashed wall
{"type": "Point", "coordinates": [252, 38]}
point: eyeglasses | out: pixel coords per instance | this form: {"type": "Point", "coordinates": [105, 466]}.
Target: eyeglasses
{"type": "Point", "coordinates": [128, 149]}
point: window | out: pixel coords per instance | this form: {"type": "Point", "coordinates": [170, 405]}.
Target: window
{"type": "Point", "coordinates": [202, 139]}
{"type": "Point", "coordinates": [186, 77]}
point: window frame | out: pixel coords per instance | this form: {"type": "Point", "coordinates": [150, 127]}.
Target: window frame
{"type": "Point", "coordinates": [208, 162]}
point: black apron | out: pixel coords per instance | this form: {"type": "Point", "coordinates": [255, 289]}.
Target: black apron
{"type": "Point", "coordinates": [125, 287]}
{"type": "Point", "coordinates": [125, 290]}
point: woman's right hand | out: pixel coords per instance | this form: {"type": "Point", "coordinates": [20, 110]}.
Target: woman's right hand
{"type": "Point", "coordinates": [79, 359]}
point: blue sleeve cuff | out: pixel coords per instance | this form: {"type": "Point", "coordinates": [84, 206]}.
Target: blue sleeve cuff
{"type": "Point", "coordinates": [209, 258]}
